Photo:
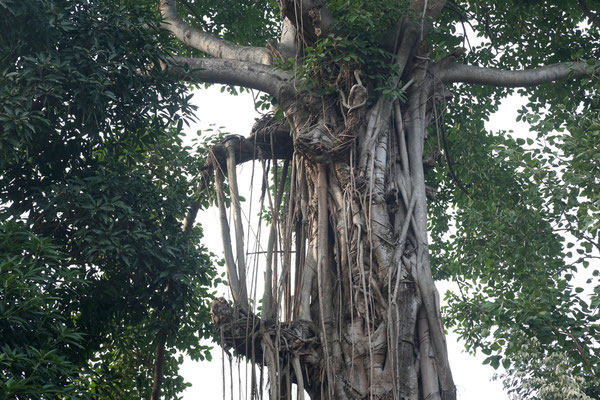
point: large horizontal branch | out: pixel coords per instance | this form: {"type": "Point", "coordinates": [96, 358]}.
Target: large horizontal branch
{"type": "Point", "coordinates": [270, 139]}
{"type": "Point", "coordinates": [531, 77]}
{"type": "Point", "coordinates": [231, 72]}
{"type": "Point", "coordinates": [207, 43]}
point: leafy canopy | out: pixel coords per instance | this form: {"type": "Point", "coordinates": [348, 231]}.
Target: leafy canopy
{"type": "Point", "coordinates": [524, 240]}
{"type": "Point", "coordinates": [94, 184]}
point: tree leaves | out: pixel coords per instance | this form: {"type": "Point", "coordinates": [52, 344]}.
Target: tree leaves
{"type": "Point", "coordinates": [88, 160]}
{"type": "Point", "coordinates": [38, 341]}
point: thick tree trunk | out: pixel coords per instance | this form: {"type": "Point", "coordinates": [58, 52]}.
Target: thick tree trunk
{"type": "Point", "coordinates": [350, 309]}
{"type": "Point", "coordinates": [362, 318]}
{"type": "Point", "coordinates": [357, 314]}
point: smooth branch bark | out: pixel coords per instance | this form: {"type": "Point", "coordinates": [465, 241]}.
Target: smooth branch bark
{"type": "Point", "coordinates": [460, 73]}
{"type": "Point", "coordinates": [207, 43]}
{"type": "Point", "coordinates": [232, 72]}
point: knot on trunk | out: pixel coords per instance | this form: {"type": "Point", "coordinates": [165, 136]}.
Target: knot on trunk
{"type": "Point", "coordinates": [246, 334]}
{"type": "Point", "coordinates": [321, 144]}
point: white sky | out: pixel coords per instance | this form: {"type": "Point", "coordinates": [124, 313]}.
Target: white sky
{"type": "Point", "coordinates": [236, 115]}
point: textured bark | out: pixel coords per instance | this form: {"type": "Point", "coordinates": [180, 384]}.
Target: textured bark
{"type": "Point", "coordinates": [364, 293]}
{"type": "Point", "coordinates": [231, 72]}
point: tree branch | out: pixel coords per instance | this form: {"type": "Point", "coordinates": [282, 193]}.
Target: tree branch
{"type": "Point", "coordinates": [230, 72]}
{"type": "Point", "coordinates": [158, 375]}
{"type": "Point", "coordinates": [206, 42]}
{"type": "Point", "coordinates": [531, 77]}
{"type": "Point", "coordinates": [269, 136]}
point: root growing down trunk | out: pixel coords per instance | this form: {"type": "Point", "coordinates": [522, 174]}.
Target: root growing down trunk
{"type": "Point", "coordinates": [354, 314]}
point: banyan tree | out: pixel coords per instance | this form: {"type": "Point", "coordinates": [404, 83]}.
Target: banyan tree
{"type": "Point", "coordinates": [360, 94]}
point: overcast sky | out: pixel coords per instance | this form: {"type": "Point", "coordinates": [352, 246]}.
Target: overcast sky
{"type": "Point", "coordinates": [236, 115]}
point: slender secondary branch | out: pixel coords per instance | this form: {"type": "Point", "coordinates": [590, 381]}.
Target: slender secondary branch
{"type": "Point", "coordinates": [231, 72]}
{"type": "Point", "coordinates": [531, 77]}
{"type": "Point", "coordinates": [207, 43]}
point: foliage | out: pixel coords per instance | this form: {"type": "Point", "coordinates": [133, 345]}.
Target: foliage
{"type": "Point", "coordinates": [369, 19]}
{"type": "Point", "coordinates": [520, 244]}
{"type": "Point", "coordinates": [509, 251]}
{"type": "Point", "coordinates": [91, 159]}
{"type": "Point", "coordinates": [542, 376]}
{"type": "Point", "coordinates": [94, 180]}
{"type": "Point", "coordinates": [38, 340]}
{"type": "Point", "coordinates": [333, 58]}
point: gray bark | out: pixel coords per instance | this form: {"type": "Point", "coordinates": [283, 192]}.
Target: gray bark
{"type": "Point", "coordinates": [207, 43]}
{"type": "Point", "coordinates": [532, 77]}
{"type": "Point", "coordinates": [356, 291]}
{"type": "Point", "coordinates": [232, 72]}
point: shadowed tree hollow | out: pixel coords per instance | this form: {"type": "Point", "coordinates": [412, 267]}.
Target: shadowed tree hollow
{"type": "Point", "coordinates": [361, 94]}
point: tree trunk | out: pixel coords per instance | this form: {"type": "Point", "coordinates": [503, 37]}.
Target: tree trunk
{"type": "Point", "coordinates": [357, 315]}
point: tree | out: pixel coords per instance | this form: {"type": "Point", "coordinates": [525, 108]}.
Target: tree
{"type": "Point", "coordinates": [378, 123]}
{"type": "Point", "coordinates": [379, 183]}
{"type": "Point", "coordinates": [99, 286]}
